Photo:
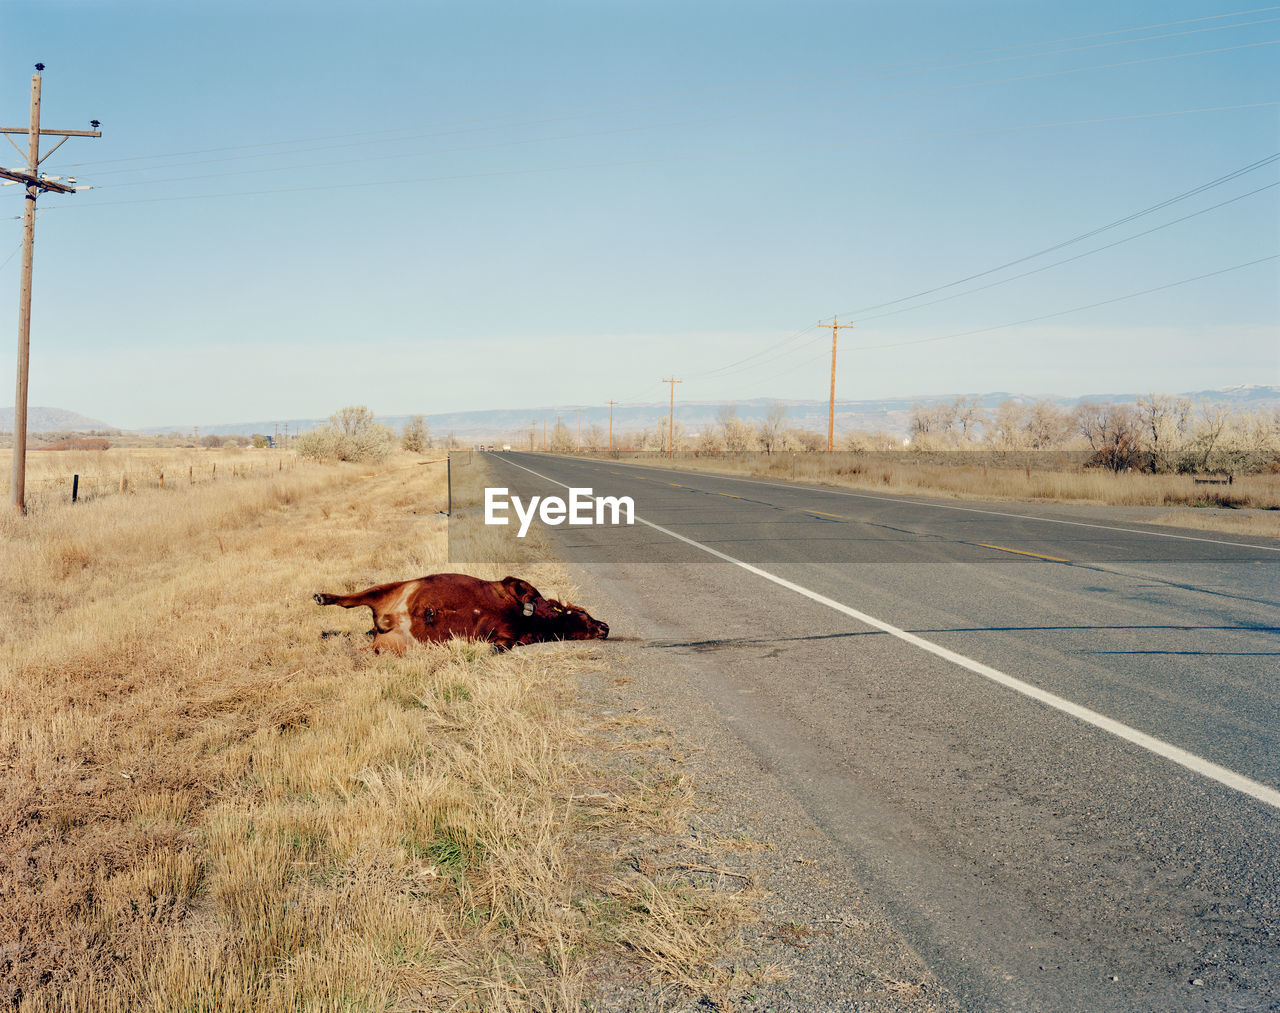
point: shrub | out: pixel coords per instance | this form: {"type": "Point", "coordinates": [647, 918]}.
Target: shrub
{"type": "Point", "coordinates": [416, 437]}
{"type": "Point", "coordinates": [351, 435]}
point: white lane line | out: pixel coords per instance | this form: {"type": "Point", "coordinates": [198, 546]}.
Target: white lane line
{"type": "Point", "coordinates": [1197, 764]}
{"type": "Point", "coordinates": [968, 510]}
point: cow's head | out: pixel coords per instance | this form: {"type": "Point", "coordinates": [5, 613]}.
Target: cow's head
{"type": "Point", "coordinates": [567, 622]}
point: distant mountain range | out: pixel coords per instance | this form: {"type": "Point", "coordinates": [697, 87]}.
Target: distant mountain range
{"type": "Point", "coordinates": [890, 415]}
{"type": "Point", "coordinates": [52, 420]}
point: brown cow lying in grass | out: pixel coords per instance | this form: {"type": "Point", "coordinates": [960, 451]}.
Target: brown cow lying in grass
{"type": "Point", "coordinates": [504, 612]}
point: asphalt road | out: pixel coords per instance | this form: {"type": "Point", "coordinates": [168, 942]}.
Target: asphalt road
{"type": "Point", "coordinates": [913, 672]}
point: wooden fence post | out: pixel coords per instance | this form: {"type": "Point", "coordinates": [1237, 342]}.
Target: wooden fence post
{"type": "Point", "coordinates": [75, 487]}
{"type": "Point", "coordinates": [162, 480]}
{"type": "Point", "coordinates": [191, 474]}
{"type": "Point", "coordinates": [122, 482]}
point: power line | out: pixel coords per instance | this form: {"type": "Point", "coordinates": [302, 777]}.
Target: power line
{"type": "Point", "coordinates": [1194, 191]}
{"type": "Point", "coordinates": [1078, 256]}
{"type": "Point", "coordinates": [4, 263]}
{"type": "Point", "coordinates": [668, 124]}
{"type": "Point", "coordinates": [721, 370]}
{"type": "Point", "coordinates": [1073, 309]}
{"type": "Point", "coordinates": [697, 156]}
{"type": "Point", "coordinates": [593, 108]}
{"type": "Point", "coordinates": [1029, 320]}
{"type": "Point", "coordinates": [786, 346]}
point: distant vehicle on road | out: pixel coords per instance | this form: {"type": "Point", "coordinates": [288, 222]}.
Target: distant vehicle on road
{"type": "Point", "coordinates": [506, 446]}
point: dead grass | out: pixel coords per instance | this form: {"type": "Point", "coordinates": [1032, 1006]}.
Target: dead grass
{"type": "Point", "coordinates": [105, 473]}
{"type": "Point", "coordinates": [1251, 523]}
{"type": "Point", "coordinates": [214, 799]}
{"type": "Point", "coordinates": [1257, 497]}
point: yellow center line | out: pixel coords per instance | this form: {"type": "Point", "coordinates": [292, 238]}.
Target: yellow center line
{"type": "Point", "coordinates": [676, 484]}
{"type": "Point", "coordinates": [822, 514]}
{"type": "Point", "coordinates": [1052, 559]}
{"type": "Point", "coordinates": [729, 494]}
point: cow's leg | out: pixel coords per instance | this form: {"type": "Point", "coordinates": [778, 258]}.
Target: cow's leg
{"type": "Point", "coordinates": [389, 605]}
{"type": "Point", "coordinates": [371, 596]}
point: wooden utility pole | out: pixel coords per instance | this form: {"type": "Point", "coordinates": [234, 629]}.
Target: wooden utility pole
{"type": "Point", "coordinates": [611, 404]}
{"type": "Point", "coordinates": [579, 411]}
{"type": "Point", "coordinates": [35, 183]}
{"type": "Point", "coordinates": [533, 432]}
{"type": "Point", "coordinates": [544, 436]}
{"type": "Point", "coordinates": [671, 419]}
{"type": "Point", "coordinates": [835, 326]}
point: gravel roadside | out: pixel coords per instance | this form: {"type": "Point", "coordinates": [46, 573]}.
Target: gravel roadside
{"type": "Point", "coordinates": [834, 950]}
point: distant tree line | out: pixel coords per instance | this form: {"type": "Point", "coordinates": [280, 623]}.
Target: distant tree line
{"type": "Point", "coordinates": [1160, 433]}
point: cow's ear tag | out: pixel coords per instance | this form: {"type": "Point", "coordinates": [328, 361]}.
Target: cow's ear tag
{"type": "Point", "coordinates": [528, 608]}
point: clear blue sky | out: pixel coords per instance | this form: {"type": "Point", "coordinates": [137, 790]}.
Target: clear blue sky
{"type": "Point", "coordinates": [438, 206]}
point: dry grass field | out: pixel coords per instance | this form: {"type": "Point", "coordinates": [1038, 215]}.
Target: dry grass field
{"type": "Point", "coordinates": [214, 799]}
{"type": "Point", "coordinates": [49, 472]}
{"type": "Point", "coordinates": [1253, 500]}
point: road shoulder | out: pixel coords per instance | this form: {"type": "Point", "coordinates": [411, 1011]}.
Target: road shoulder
{"type": "Point", "coordinates": [837, 951]}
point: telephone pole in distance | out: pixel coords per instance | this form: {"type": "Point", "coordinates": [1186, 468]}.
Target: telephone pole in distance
{"type": "Point", "coordinates": [671, 419]}
{"type": "Point", "coordinates": [835, 326]}
{"type": "Point", "coordinates": [611, 404]}
{"type": "Point", "coordinates": [35, 183]}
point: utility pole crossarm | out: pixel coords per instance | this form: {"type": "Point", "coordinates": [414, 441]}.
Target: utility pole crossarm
{"type": "Point", "coordinates": [18, 176]}
{"type": "Point", "coordinates": [52, 133]}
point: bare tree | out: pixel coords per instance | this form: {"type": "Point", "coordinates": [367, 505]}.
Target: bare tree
{"type": "Point", "coordinates": [861, 440]}
{"type": "Point", "coordinates": [736, 434]}
{"type": "Point", "coordinates": [807, 440]}
{"type": "Point", "coordinates": [922, 421]}
{"type": "Point", "coordinates": [1113, 434]}
{"type": "Point", "coordinates": [1211, 422]}
{"type": "Point", "coordinates": [708, 442]}
{"type": "Point", "coordinates": [562, 441]}
{"type": "Point", "coordinates": [416, 437]}
{"type": "Point", "coordinates": [933, 426]}
{"type": "Point", "coordinates": [1164, 421]}
{"type": "Point", "coordinates": [1008, 428]}
{"type": "Point", "coordinates": [352, 420]}
{"type": "Point", "coordinates": [969, 416]}
{"type": "Point", "coordinates": [1045, 426]}
{"type": "Point", "coordinates": [770, 431]}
